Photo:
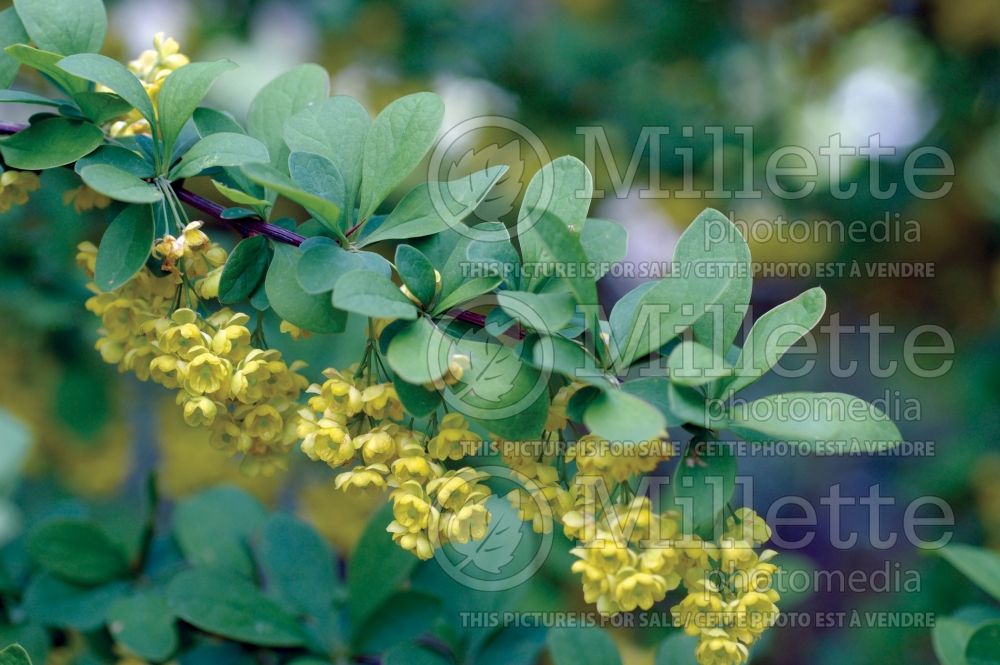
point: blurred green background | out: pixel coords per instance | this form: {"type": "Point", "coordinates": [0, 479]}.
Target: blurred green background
{"type": "Point", "coordinates": [916, 72]}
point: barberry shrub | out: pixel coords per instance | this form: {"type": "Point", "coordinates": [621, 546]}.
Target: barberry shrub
{"type": "Point", "coordinates": [485, 354]}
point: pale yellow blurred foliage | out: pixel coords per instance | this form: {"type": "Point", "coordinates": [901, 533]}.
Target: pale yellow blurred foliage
{"type": "Point", "coordinates": [338, 516]}
{"type": "Point", "coordinates": [188, 462]}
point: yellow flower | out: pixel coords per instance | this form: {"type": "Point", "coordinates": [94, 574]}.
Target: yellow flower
{"type": "Point", "coordinates": [263, 422]}
{"type": "Point", "coordinates": [417, 542]}
{"type": "Point", "coordinates": [327, 439]}
{"type": "Point", "coordinates": [340, 393]}
{"type": "Point", "coordinates": [701, 610]}
{"type": "Point", "coordinates": [634, 589]}
{"type": "Point", "coordinates": [468, 523]}
{"type": "Point", "coordinates": [365, 479]}
{"type": "Point", "coordinates": [199, 411]}
{"type": "Point", "coordinates": [747, 525]}
{"type": "Point", "coordinates": [380, 401]}
{"type": "Point", "coordinates": [292, 330]}
{"type": "Point", "coordinates": [717, 649]}
{"type": "Point", "coordinates": [376, 446]}
{"type": "Point", "coordinates": [14, 188]}
{"type": "Point", "coordinates": [206, 374]}
{"type": "Point", "coordinates": [84, 198]}
{"type": "Point", "coordinates": [454, 439]}
{"type": "Point", "coordinates": [411, 507]}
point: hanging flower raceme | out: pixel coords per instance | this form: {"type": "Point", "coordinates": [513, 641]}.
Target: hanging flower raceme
{"type": "Point", "coordinates": [246, 396]}
{"type": "Point", "coordinates": [354, 424]}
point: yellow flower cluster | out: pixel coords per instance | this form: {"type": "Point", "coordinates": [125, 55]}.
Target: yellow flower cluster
{"type": "Point", "coordinates": [15, 187]}
{"type": "Point", "coordinates": [734, 601]}
{"type": "Point", "coordinates": [431, 505]}
{"type": "Point", "coordinates": [152, 67]}
{"type": "Point", "coordinates": [245, 395]}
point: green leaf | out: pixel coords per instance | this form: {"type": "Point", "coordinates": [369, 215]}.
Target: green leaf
{"type": "Point", "coordinates": [14, 655]}
{"type": "Point", "coordinates": [289, 301]}
{"type": "Point", "coordinates": [11, 32]}
{"type": "Point", "coordinates": [543, 312]}
{"type": "Point", "coordinates": [76, 550]}
{"type": "Point", "coordinates": [181, 93]}
{"type": "Point", "coordinates": [113, 75]}
{"type": "Point", "coordinates": [417, 400]}
{"type": "Point", "coordinates": [984, 645]}
{"type": "Point", "coordinates": [281, 99]}
{"type": "Point", "coordinates": [712, 238]}
{"type": "Point", "coordinates": [466, 292]}
{"type": "Point", "coordinates": [118, 157]}
{"type": "Point", "coordinates": [432, 207]}
{"type": "Point", "coordinates": [46, 62]}
{"type": "Point", "coordinates": [298, 565]}
{"type": "Point", "coordinates": [499, 391]}
{"type": "Point", "coordinates": [979, 565]}
{"type": "Point", "coordinates": [413, 654]}
{"type": "Point", "coordinates": [949, 638]}
{"type": "Point", "coordinates": [398, 139]}
{"type": "Point", "coordinates": [219, 602]}
{"type": "Point", "coordinates": [581, 646]}
{"type": "Point", "coordinates": [652, 314]}
{"type": "Point", "coordinates": [692, 364]}
{"type": "Point", "coordinates": [376, 569]}
{"type": "Point", "coordinates": [119, 185]}
{"type": "Point", "coordinates": [490, 252]}
{"type": "Point", "coordinates": [558, 245]}
{"type": "Point", "coordinates": [334, 128]}
{"type": "Point", "coordinates": [826, 423]}
{"type": "Point", "coordinates": [101, 107]}
{"type": "Point", "coordinates": [324, 263]}
{"type": "Point", "coordinates": [210, 121]}
{"type": "Point", "coordinates": [370, 294]}
{"type": "Point", "coordinates": [64, 26]}
{"type": "Point", "coordinates": [22, 97]}
{"type": "Point", "coordinates": [213, 528]}
{"type": "Point", "coordinates": [774, 333]}
{"type": "Point", "coordinates": [567, 357]}
{"type": "Point", "coordinates": [30, 636]}
{"type": "Point", "coordinates": [416, 272]}
{"type": "Point", "coordinates": [605, 243]}
{"type": "Point", "coordinates": [244, 269]}
{"type": "Point", "coordinates": [124, 248]}
{"type": "Point", "coordinates": [144, 625]}
{"type": "Point", "coordinates": [494, 551]}
{"type": "Point", "coordinates": [703, 484]}
{"type": "Point", "coordinates": [317, 175]}
{"type": "Point", "coordinates": [325, 211]}
{"type": "Point", "coordinates": [562, 189]}
{"type": "Point", "coordinates": [414, 350]}
{"type": "Point", "coordinates": [403, 617]}
{"type": "Point", "coordinates": [678, 649]}
{"type": "Point", "coordinates": [241, 198]}
{"type": "Point", "coordinates": [53, 602]}
{"type": "Point", "coordinates": [49, 143]}
{"type": "Point", "coordinates": [616, 415]}
{"type": "Point", "coordinates": [220, 149]}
